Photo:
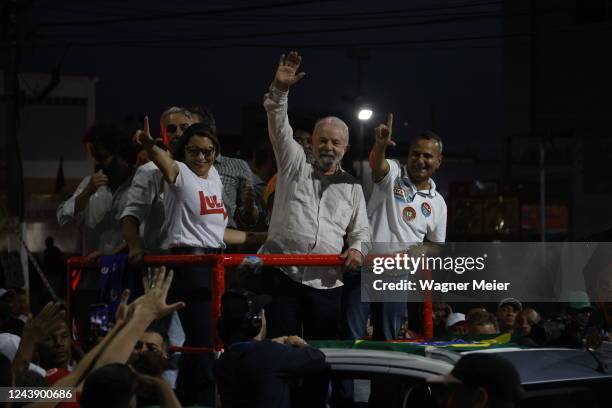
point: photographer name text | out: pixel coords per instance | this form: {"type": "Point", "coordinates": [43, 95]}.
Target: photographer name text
{"type": "Point", "coordinates": [444, 287]}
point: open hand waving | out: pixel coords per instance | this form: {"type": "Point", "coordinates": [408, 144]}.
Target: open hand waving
{"type": "Point", "coordinates": [286, 73]}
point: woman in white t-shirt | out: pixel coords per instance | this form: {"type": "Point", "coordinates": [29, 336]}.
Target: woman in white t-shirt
{"type": "Point", "coordinates": [196, 221]}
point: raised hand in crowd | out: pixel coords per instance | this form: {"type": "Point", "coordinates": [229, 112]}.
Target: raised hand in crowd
{"type": "Point", "coordinates": [116, 347]}
{"type": "Point", "coordinates": [153, 303]}
{"type": "Point", "coordinates": [49, 319]}
{"type": "Point", "coordinates": [147, 308]}
{"type": "Point", "coordinates": [286, 72]}
{"type": "Point", "coordinates": [377, 159]}
{"type": "Point", "coordinates": [124, 311]}
{"type": "Point", "coordinates": [35, 331]}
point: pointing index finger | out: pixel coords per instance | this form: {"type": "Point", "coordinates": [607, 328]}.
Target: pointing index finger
{"type": "Point", "coordinates": [390, 121]}
{"type": "Point", "coordinates": [146, 126]}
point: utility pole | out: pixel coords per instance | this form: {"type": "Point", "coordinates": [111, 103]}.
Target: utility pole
{"type": "Point", "coordinates": [11, 41]}
{"type": "Point", "coordinates": [533, 109]}
{"type": "Point", "coordinates": [12, 98]}
{"type": "Point", "coordinates": [359, 55]}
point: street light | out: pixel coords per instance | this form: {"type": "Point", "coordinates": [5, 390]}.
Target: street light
{"type": "Point", "coordinates": [364, 114]}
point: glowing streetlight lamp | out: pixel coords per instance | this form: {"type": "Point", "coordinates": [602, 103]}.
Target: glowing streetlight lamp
{"type": "Point", "coordinates": [364, 114]}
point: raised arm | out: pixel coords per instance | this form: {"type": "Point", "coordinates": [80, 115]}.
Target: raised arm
{"type": "Point", "coordinates": [97, 180]}
{"type": "Point", "coordinates": [287, 151]}
{"type": "Point", "coordinates": [92, 190]}
{"type": "Point", "coordinates": [149, 307]}
{"type": "Point", "coordinates": [36, 330]}
{"type": "Point", "coordinates": [159, 156]}
{"type": "Point", "coordinates": [377, 159]}
{"type": "Point", "coordinates": [83, 368]}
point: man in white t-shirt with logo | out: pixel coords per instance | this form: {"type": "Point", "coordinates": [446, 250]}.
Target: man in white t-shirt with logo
{"type": "Point", "coordinates": [404, 208]}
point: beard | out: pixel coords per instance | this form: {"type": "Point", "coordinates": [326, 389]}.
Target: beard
{"type": "Point", "coordinates": [326, 161]}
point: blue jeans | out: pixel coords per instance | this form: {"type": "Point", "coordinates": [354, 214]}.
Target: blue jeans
{"type": "Point", "coordinates": [354, 311]}
{"type": "Point", "coordinates": [387, 317]}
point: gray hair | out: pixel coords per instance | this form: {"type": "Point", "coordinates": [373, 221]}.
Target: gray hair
{"type": "Point", "coordinates": [333, 121]}
{"type": "Point", "coordinates": [429, 135]}
{"type": "Point", "coordinates": [171, 110]}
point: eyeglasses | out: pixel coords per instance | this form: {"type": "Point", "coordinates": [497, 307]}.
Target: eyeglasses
{"type": "Point", "coordinates": [194, 151]}
{"type": "Point", "coordinates": [150, 346]}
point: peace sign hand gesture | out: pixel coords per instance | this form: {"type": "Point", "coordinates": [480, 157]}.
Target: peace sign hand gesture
{"type": "Point", "coordinates": [383, 132]}
{"type": "Point", "coordinates": [286, 72]}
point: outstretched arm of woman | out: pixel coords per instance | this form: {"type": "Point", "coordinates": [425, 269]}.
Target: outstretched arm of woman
{"type": "Point", "coordinates": [159, 156]}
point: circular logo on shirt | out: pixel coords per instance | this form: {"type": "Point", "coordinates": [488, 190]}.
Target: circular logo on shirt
{"type": "Point", "coordinates": [426, 209]}
{"type": "Point", "coordinates": [408, 214]}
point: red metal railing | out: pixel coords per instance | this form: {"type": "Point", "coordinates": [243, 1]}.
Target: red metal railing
{"type": "Point", "coordinates": [219, 263]}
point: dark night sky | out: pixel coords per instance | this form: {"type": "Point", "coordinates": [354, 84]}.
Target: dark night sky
{"type": "Point", "coordinates": [224, 61]}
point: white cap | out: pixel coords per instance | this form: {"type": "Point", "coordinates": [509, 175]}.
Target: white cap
{"type": "Point", "coordinates": [455, 318]}
{"type": "Point", "coordinates": [9, 343]}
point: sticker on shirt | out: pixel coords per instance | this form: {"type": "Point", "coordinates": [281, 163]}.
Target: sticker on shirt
{"type": "Point", "coordinates": [426, 209]}
{"type": "Point", "coordinates": [408, 214]}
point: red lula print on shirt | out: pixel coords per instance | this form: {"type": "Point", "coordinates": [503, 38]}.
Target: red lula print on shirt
{"type": "Point", "coordinates": [211, 205]}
